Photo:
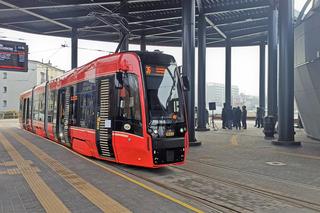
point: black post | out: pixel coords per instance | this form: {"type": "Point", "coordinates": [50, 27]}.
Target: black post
{"type": "Point", "coordinates": [262, 85]}
{"type": "Point", "coordinates": [124, 13]}
{"type": "Point", "coordinates": [188, 62]}
{"type": "Point", "coordinates": [270, 120]}
{"type": "Point", "coordinates": [202, 73]}
{"type": "Point", "coordinates": [273, 64]}
{"type": "Point", "coordinates": [143, 46]}
{"type": "Point", "coordinates": [74, 48]}
{"type": "Point", "coordinates": [286, 75]}
{"type": "Point", "coordinates": [228, 74]}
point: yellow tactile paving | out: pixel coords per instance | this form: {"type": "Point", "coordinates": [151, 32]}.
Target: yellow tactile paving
{"type": "Point", "coordinates": [47, 198]}
{"type": "Point", "coordinates": [134, 181]}
{"type": "Point", "coordinates": [96, 196]}
{"type": "Point", "coordinates": [13, 163]}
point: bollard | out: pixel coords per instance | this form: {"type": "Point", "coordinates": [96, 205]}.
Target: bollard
{"type": "Point", "coordinates": [269, 125]}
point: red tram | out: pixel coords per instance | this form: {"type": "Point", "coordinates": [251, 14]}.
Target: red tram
{"type": "Point", "coordinates": [127, 108]}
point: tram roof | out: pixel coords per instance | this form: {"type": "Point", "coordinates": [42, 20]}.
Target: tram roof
{"type": "Point", "coordinates": [245, 22]}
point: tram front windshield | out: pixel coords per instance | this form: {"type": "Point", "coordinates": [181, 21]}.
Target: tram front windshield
{"type": "Point", "coordinates": [164, 93]}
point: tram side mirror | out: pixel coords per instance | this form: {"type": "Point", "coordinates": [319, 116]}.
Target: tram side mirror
{"type": "Point", "coordinates": [185, 83]}
{"type": "Point", "coordinates": [118, 80]}
{"type": "Point", "coordinates": [180, 70]}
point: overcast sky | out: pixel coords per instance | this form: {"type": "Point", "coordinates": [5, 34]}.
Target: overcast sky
{"type": "Point", "coordinates": [245, 60]}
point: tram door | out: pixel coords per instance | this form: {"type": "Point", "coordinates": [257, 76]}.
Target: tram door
{"type": "Point", "coordinates": [63, 115]}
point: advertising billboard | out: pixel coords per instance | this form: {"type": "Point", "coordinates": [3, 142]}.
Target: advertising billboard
{"type": "Point", "coordinates": [13, 56]}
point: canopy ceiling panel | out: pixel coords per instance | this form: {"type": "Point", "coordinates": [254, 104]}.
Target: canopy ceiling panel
{"type": "Point", "coordinates": [245, 22]}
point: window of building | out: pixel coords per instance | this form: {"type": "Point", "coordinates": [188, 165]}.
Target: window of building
{"type": "Point", "coordinates": [42, 77]}
{"type": "Point", "coordinates": [5, 89]}
{"type": "Point", "coordinates": [4, 103]}
{"type": "Point", "coordinates": [5, 75]}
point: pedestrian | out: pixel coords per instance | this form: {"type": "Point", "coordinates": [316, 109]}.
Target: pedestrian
{"type": "Point", "coordinates": [234, 116]}
{"type": "Point", "coordinates": [224, 116]}
{"type": "Point", "coordinates": [238, 118]}
{"type": "Point", "coordinates": [244, 117]}
{"type": "Point", "coordinates": [257, 117]}
{"type": "Point", "coordinates": [229, 117]}
{"type": "Point", "coordinates": [262, 111]}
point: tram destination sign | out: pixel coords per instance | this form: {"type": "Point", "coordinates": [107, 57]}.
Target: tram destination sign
{"type": "Point", "coordinates": [13, 56]}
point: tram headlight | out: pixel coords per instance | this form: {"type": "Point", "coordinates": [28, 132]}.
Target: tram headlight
{"type": "Point", "coordinates": [60, 134]}
{"type": "Point", "coordinates": [182, 130]}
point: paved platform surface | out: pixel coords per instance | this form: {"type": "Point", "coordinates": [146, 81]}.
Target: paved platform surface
{"type": "Point", "coordinates": [37, 175]}
{"type": "Point", "coordinates": [232, 171]}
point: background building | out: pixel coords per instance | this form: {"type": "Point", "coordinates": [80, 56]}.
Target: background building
{"type": "Point", "coordinates": [12, 83]}
{"type": "Point", "coordinates": [216, 93]}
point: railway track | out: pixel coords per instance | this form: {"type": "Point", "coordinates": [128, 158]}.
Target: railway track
{"type": "Point", "coordinates": [260, 191]}
{"type": "Point", "coordinates": [221, 206]}
{"type": "Point", "coordinates": [215, 205]}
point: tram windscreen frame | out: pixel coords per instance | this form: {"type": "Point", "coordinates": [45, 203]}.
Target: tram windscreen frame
{"type": "Point", "coordinates": [164, 93]}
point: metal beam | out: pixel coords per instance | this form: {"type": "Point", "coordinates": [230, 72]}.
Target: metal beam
{"type": "Point", "coordinates": [262, 85]}
{"type": "Point", "coordinates": [228, 73]}
{"type": "Point", "coordinates": [75, 4]}
{"type": "Point", "coordinates": [143, 46]}
{"type": "Point", "coordinates": [273, 64]}
{"type": "Point", "coordinates": [35, 14]}
{"type": "Point", "coordinates": [74, 48]}
{"type": "Point", "coordinates": [202, 73]}
{"type": "Point", "coordinates": [188, 62]}
{"type": "Point", "coordinates": [215, 27]}
{"type": "Point", "coordinates": [286, 75]}
{"type": "Point", "coordinates": [124, 13]}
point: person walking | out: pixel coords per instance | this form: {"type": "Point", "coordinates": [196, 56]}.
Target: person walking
{"type": "Point", "coordinates": [238, 118]}
{"type": "Point", "coordinates": [229, 117]}
{"type": "Point", "coordinates": [234, 117]}
{"type": "Point", "coordinates": [224, 116]}
{"type": "Point", "coordinates": [257, 117]}
{"type": "Point", "coordinates": [244, 117]}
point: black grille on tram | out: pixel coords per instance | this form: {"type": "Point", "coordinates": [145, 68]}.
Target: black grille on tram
{"type": "Point", "coordinates": [104, 132]}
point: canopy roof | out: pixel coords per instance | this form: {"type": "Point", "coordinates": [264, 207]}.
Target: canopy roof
{"type": "Point", "coordinates": [245, 22]}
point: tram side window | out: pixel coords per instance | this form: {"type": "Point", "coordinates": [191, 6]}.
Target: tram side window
{"type": "Point", "coordinates": [35, 107]}
{"type": "Point", "coordinates": [129, 109]}
{"type": "Point", "coordinates": [41, 106]}
{"type": "Point", "coordinates": [28, 109]}
{"type": "Point", "coordinates": [51, 102]}
{"type": "Point", "coordinates": [73, 106]}
{"type": "Point", "coordinates": [86, 98]}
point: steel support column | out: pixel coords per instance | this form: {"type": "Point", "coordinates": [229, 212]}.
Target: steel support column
{"type": "Point", "coordinates": [262, 85]}
{"type": "Point", "coordinates": [202, 73]}
{"type": "Point", "coordinates": [286, 75]}
{"type": "Point", "coordinates": [228, 74]}
{"type": "Point", "coordinates": [74, 48]}
{"type": "Point", "coordinates": [124, 12]}
{"type": "Point", "coordinates": [143, 46]}
{"type": "Point", "coordinates": [273, 64]}
{"type": "Point", "coordinates": [188, 61]}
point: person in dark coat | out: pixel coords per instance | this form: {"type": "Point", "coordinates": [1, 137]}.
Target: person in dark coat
{"type": "Point", "coordinates": [224, 116]}
{"type": "Point", "coordinates": [238, 117]}
{"type": "Point", "coordinates": [234, 117]}
{"type": "Point", "coordinates": [244, 117]}
{"type": "Point", "coordinates": [257, 117]}
{"type": "Point", "coordinates": [229, 117]}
